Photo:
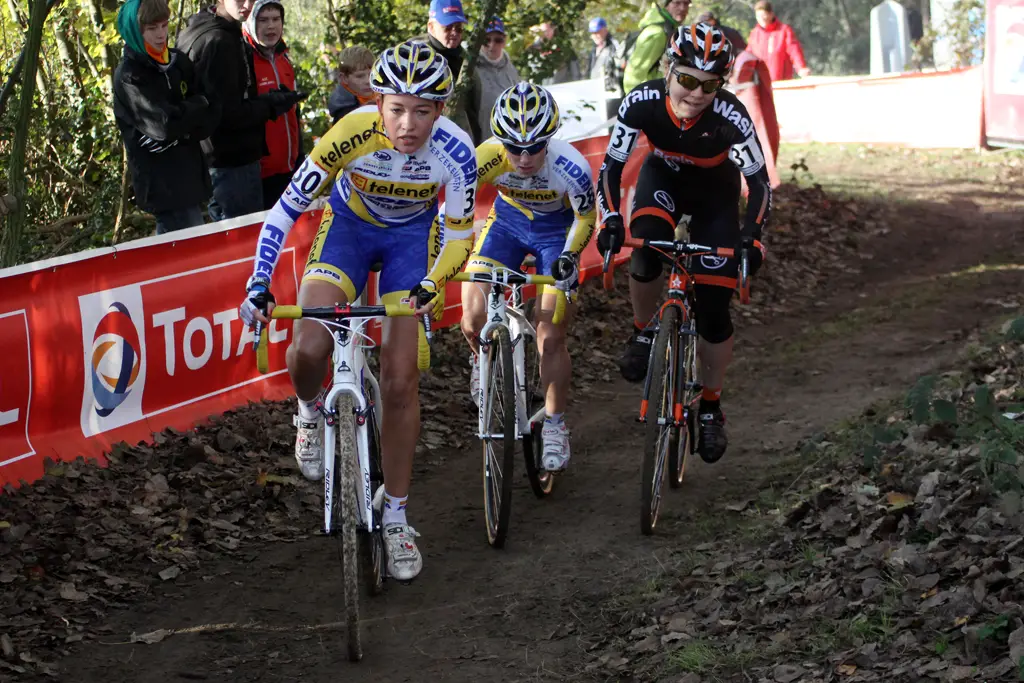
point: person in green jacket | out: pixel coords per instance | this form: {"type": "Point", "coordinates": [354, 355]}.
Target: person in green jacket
{"type": "Point", "coordinates": [644, 61]}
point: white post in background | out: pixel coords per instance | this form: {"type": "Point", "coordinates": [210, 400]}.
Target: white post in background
{"type": "Point", "coordinates": [942, 51]}
{"type": "Point", "coordinates": [890, 38]}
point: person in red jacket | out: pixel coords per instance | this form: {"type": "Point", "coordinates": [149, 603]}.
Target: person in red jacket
{"type": "Point", "coordinates": [263, 34]}
{"type": "Point", "coordinates": [776, 44]}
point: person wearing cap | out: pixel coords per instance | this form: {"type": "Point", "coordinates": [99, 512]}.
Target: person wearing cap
{"type": "Point", "coordinates": [643, 61]}
{"type": "Point", "coordinates": [445, 29]}
{"type": "Point", "coordinates": [263, 31]}
{"type": "Point", "coordinates": [496, 71]}
{"type": "Point", "coordinates": [603, 63]}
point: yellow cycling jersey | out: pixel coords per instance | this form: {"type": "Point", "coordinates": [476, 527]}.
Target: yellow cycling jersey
{"type": "Point", "coordinates": [564, 182]}
{"type": "Point", "coordinates": [382, 186]}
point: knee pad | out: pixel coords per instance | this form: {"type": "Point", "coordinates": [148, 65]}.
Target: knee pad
{"type": "Point", "coordinates": [644, 265]}
{"type": "Point", "coordinates": [714, 322]}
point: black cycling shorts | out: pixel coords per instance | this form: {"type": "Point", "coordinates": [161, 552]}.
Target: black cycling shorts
{"type": "Point", "coordinates": [667, 190]}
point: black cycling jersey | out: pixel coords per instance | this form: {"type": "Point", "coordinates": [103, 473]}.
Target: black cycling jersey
{"type": "Point", "coordinates": [723, 130]}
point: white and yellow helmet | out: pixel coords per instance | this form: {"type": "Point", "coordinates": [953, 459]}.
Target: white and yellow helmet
{"type": "Point", "coordinates": [412, 69]}
{"type": "Point", "coordinates": [524, 114]}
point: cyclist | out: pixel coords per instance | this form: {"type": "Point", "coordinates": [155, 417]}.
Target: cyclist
{"type": "Point", "coordinates": [693, 127]}
{"type": "Point", "coordinates": [545, 207]}
{"type": "Point", "coordinates": [384, 165]}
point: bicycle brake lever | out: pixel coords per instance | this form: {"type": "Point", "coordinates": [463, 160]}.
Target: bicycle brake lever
{"type": "Point", "coordinates": [257, 330]}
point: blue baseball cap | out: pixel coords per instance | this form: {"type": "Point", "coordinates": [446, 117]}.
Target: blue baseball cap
{"type": "Point", "coordinates": [496, 25]}
{"type": "Point", "coordinates": [447, 12]}
{"type": "Point", "coordinates": [597, 23]}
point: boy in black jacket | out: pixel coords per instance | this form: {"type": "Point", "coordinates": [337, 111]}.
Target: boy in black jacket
{"type": "Point", "coordinates": [213, 41]}
{"type": "Point", "coordinates": [162, 117]}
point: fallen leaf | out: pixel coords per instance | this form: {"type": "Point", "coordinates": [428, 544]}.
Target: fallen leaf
{"type": "Point", "coordinates": [69, 592]}
{"type": "Point", "coordinates": [150, 638]}
{"type": "Point", "coordinates": [171, 572]}
{"type": "Point", "coordinates": [846, 669]}
{"type": "Point", "coordinates": [898, 500]}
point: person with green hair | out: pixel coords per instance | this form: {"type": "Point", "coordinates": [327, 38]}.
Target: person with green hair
{"type": "Point", "coordinates": [643, 56]}
{"type": "Point", "coordinates": [162, 117]}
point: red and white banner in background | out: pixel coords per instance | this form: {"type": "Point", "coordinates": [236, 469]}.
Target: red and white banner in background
{"type": "Point", "coordinates": [1004, 73]}
{"type": "Point", "coordinates": [114, 344]}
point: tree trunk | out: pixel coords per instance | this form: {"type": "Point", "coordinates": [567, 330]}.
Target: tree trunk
{"type": "Point", "coordinates": [122, 207]}
{"type": "Point", "coordinates": [181, 20]}
{"type": "Point", "coordinates": [844, 17]}
{"type": "Point", "coordinates": [16, 15]}
{"type": "Point", "coordinates": [332, 16]}
{"type": "Point", "coordinates": [11, 239]}
{"type": "Point", "coordinates": [109, 56]}
{"type": "Point", "coordinates": [491, 8]}
{"type": "Point", "coordinates": [86, 57]}
{"type": "Point", "coordinates": [69, 62]}
{"type": "Point", "coordinates": [15, 76]}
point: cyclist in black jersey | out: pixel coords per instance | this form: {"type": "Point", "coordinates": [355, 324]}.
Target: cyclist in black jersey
{"type": "Point", "coordinates": [693, 128]}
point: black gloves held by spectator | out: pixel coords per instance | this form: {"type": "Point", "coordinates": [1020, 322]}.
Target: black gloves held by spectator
{"type": "Point", "coordinates": [282, 100]}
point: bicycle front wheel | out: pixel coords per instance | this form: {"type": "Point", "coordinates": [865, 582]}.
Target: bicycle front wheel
{"type": "Point", "coordinates": [681, 438]}
{"type": "Point", "coordinates": [499, 437]}
{"type": "Point", "coordinates": [659, 420]}
{"type": "Point", "coordinates": [346, 478]}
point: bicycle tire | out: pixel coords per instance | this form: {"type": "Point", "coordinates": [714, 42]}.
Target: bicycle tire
{"type": "Point", "coordinates": [498, 466]}
{"type": "Point", "coordinates": [541, 481]}
{"type": "Point", "coordinates": [346, 478]}
{"type": "Point", "coordinates": [371, 546]}
{"type": "Point", "coordinates": [657, 435]}
{"type": "Point", "coordinates": [680, 445]}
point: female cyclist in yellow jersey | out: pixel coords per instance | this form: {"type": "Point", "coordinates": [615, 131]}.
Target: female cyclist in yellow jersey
{"type": "Point", "coordinates": [384, 166]}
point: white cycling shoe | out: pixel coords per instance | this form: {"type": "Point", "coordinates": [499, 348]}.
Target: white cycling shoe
{"type": "Point", "coordinates": [309, 447]}
{"type": "Point", "coordinates": [404, 561]}
{"type": "Point", "coordinates": [556, 446]}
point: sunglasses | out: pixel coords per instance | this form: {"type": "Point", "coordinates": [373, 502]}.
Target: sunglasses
{"type": "Point", "coordinates": [496, 40]}
{"type": "Point", "coordinates": [693, 83]}
{"type": "Point", "coordinates": [530, 150]}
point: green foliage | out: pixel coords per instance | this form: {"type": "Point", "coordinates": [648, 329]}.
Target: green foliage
{"type": "Point", "coordinates": [919, 399]}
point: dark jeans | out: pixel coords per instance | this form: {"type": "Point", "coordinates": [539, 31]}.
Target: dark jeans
{"type": "Point", "coordinates": [178, 219]}
{"type": "Point", "coordinates": [237, 191]}
{"type": "Point", "coordinates": [273, 187]}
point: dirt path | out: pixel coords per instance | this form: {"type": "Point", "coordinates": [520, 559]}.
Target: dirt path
{"type": "Point", "coordinates": [528, 612]}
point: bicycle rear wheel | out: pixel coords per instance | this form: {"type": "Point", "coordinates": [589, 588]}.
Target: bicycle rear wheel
{"type": "Point", "coordinates": [659, 420]}
{"type": "Point", "coordinates": [541, 481]}
{"type": "Point", "coordinates": [500, 422]}
{"type": "Point", "coordinates": [346, 478]}
{"type": "Point", "coordinates": [680, 446]}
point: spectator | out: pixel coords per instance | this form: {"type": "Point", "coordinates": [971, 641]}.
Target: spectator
{"type": "Point", "coordinates": [445, 27]}
{"type": "Point", "coordinates": [643, 59]}
{"type": "Point", "coordinates": [776, 44]}
{"type": "Point", "coordinates": [353, 90]}
{"type": "Point", "coordinates": [733, 36]}
{"type": "Point", "coordinates": [496, 70]}
{"type": "Point", "coordinates": [263, 31]}
{"type": "Point", "coordinates": [213, 41]}
{"type": "Point", "coordinates": [544, 47]}
{"type": "Point", "coordinates": [162, 117]}
{"type": "Point", "coordinates": [603, 63]}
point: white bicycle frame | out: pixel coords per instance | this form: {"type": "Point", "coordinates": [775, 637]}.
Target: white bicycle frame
{"type": "Point", "coordinates": [521, 332]}
{"type": "Point", "coordinates": [350, 372]}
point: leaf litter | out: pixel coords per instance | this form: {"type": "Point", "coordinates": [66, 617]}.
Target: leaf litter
{"type": "Point", "coordinates": [908, 566]}
{"type": "Point", "coordinates": [85, 539]}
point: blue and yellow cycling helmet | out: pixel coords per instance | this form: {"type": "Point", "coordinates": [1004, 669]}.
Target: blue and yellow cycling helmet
{"type": "Point", "coordinates": [412, 69]}
{"type": "Point", "coordinates": [524, 114]}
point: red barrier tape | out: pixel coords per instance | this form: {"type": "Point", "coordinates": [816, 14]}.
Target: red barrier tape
{"type": "Point", "coordinates": [115, 344]}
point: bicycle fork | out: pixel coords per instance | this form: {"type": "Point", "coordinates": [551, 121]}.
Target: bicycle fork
{"type": "Point", "coordinates": [348, 367]}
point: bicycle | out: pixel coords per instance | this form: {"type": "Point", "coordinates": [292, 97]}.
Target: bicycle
{"type": "Point", "coordinates": [352, 419]}
{"type": "Point", "coordinates": [508, 352]}
{"type": "Point", "coordinates": [671, 387]}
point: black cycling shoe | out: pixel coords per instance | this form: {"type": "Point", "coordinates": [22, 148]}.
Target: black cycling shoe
{"type": "Point", "coordinates": [637, 355]}
{"type": "Point", "coordinates": [711, 441]}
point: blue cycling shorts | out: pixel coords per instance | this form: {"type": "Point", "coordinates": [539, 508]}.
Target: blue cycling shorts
{"type": "Point", "coordinates": [509, 236]}
{"type": "Point", "coordinates": [346, 247]}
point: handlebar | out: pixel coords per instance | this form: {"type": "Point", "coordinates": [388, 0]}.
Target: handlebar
{"type": "Point", "coordinates": [687, 248]}
{"type": "Point", "coordinates": [506, 277]}
{"type": "Point", "coordinates": [337, 313]}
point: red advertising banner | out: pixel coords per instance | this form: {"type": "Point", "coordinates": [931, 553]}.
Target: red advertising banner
{"type": "Point", "coordinates": [114, 344]}
{"type": "Point", "coordinates": [1004, 73]}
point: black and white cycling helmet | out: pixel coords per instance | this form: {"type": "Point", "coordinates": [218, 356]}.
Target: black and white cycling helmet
{"type": "Point", "coordinates": [524, 114]}
{"type": "Point", "coordinates": [412, 69]}
{"type": "Point", "coordinates": [702, 46]}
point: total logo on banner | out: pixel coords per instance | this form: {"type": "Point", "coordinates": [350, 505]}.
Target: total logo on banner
{"type": "Point", "coordinates": [157, 345]}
